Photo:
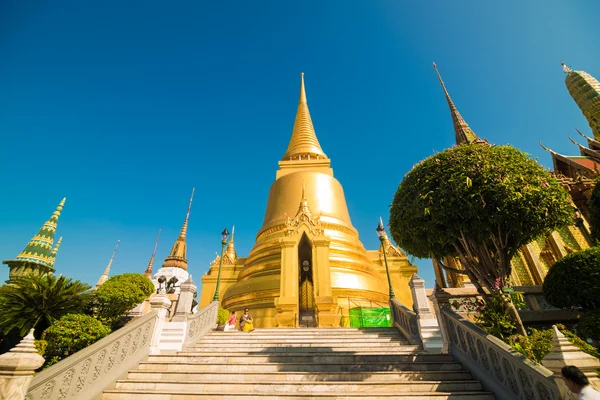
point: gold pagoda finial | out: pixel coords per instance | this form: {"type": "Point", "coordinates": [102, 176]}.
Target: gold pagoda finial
{"type": "Point", "coordinates": [148, 272]}
{"type": "Point", "coordinates": [231, 246]}
{"type": "Point", "coordinates": [177, 257]}
{"type": "Point", "coordinates": [464, 133]}
{"type": "Point", "coordinates": [304, 143]}
{"type": "Point", "coordinates": [566, 68]}
{"type": "Point", "coordinates": [104, 276]}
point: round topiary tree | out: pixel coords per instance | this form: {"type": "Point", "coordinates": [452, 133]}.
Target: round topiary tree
{"type": "Point", "coordinates": [120, 294]}
{"type": "Point", "coordinates": [589, 325]}
{"type": "Point", "coordinates": [480, 203]}
{"type": "Point", "coordinates": [71, 333]}
{"type": "Point", "coordinates": [574, 281]}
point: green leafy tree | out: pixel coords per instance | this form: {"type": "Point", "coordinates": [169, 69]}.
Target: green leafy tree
{"type": "Point", "coordinates": [589, 325]}
{"type": "Point", "coordinates": [37, 301]}
{"type": "Point", "coordinates": [120, 294]}
{"type": "Point", "coordinates": [573, 282]}
{"type": "Point", "coordinates": [222, 316]}
{"type": "Point", "coordinates": [73, 332]}
{"type": "Point", "coordinates": [480, 203]}
{"type": "Point", "coordinates": [594, 208]}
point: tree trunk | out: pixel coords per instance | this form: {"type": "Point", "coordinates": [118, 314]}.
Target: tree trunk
{"type": "Point", "coordinates": [514, 313]}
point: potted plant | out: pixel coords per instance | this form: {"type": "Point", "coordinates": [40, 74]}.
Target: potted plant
{"type": "Point", "coordinates": [222, 317]}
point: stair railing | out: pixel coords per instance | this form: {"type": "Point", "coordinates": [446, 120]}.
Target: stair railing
{"type": "Point", "coordinates": [405, 321]}
{"type": "Point", "coordinates": [200, 323]}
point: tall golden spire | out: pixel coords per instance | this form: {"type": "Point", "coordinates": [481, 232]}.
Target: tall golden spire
{"type": "Point", "coordinates": [464, 133]}
{"type": "Point", "coordinates": [304, 143]}
{"type": "Point", "coordinates": [585, 90]}
{"type": "Point", "coordinates": [177, 257]}
{"type": "Point", "coordinates": [148, 272]}
{"type": "Point", "coordinates": [231, 246]}
{"type": "Point", "coordinates": [104, 276]}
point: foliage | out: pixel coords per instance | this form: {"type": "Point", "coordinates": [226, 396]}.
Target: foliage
{"type": "Point", "coordinates": [70, 334]}
{"type": "Point", "coordinates": [535, 346]}
{"type": "Point", "coordinates": [494, 317]}
{"type": "Point", "coordinates": [589, 325]}
{"type": "Point", "coordinates": [120, 294]}
{"type": "Point", "coordinates": [480, 203]}
{"type": "Point", "coordinates": [37, 301]}
{"type": "Point", "coordinates": [222, 316]}
{"type": "Point", "coordinates": [594, 208]}
{"type": "Point", "coordinates": [539, 343]}
{"type": "Point", "coordinates": [574, 281]}
{"type": "Point", "coordinates": [40, 346]}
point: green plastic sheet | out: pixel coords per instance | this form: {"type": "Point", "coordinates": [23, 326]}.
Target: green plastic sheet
{"type": "Point", "coordinates": [361, 317]}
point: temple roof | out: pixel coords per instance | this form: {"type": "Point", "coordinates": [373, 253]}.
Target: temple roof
{"type": "Point", "coordinates": [580, 163]}
{"type": "Point", "coordinates": [592, 143]}
{"type": "Point", "coordinates": [304, 140]}
{"type": "Point", "coordinates": [177, 257]}
{"type": "Point", "coordinates": [464, 133]}
{"type": "Point", "coordinates": [585, 90]}
{"type": "Point", "coordinates": [39, 249]}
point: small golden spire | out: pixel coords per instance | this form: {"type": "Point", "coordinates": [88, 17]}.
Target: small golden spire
{"type": "Point", "coordinates": [148, 272]}
{"type": "Point", "coordinates": [304, 142]}
{"type": "Point", "coordinates": [566, 68]}
{"type": "Point", "coordinates": [104, 276]}
{"type": "Point", "coordinates": [177, 257]}
{"type": "Point", "coordinates": [464, 133]}
{"type": "Point", "coordinates": [231, 246]}
{"type": "Point", "coordinates": [187, 217]}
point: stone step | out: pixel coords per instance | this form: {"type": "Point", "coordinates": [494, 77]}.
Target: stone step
{"type": "Point", "coordinates": [302, 340]}
{"type": "Point", "coordinates": [196, 358]}
{"type": "Point", "coordinates": [311, 332]}
{"type": "Point", "coordinates": [242, 367]}
{"type": "Point", "coordinates": [294, 376]}
{"type": "Point", "coordinates": [236, 395]}
{"type": "Point", "coordinates": [277, 350]}
{"type": "Point", "coordinates": [200, 387]}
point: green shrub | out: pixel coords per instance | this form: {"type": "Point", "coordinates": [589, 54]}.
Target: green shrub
{"type": "Point", "coordinates": [222, 316]}
{"type": "Point", "coordinates": [573, 282]}
{"type": "Point", "coordinates": [493, 316]}
{"type": "Point", "coordinates": [40, 346]}
{"type": "Point", "coordinates": [120, 294]}
{"type": "Point", "coordinates": [589, 325]}
{"type": "Point", "coordinates": [70, 334]}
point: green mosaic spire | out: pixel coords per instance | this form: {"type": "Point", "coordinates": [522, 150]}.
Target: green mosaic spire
{"type": "Point", "coordinates": [38, 254]}
{"type": "Point", "coordinates": [585, 90]}
{"type": "Point", "coordinates": [54, 252]}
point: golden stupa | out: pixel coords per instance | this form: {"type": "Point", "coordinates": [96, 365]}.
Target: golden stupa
{"type": "Point", "coordinates": [308, 263]}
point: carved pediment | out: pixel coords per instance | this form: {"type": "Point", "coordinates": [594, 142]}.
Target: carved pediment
{"type": "Point", "coordinates": [304, 218]}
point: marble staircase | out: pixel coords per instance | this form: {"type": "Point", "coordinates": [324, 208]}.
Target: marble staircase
{"type": "Point", "coordinates": [287, 364]}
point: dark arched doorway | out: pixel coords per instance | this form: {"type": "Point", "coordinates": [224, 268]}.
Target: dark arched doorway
{"type": "Point", "coordinates": [306, 293]}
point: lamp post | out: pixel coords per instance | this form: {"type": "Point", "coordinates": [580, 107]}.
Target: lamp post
{"type": "Point", "coordinates": [382, 236]}
{"type": "Point", "coordinates": [224, 236]}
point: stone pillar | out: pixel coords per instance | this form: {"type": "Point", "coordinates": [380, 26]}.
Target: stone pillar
{"type": "Point", "coordinates": [17, 368]}
{"type": "Point", "coordinates": [186, 299]}
{"type": "Point", "coordinates": [161, 304]}
{"type": "Point", "coordinates": [564, 353]}
{"type": "Point", "coordinates": [429, 329]}
{"type": "Point", "coordinates": [441, 300]}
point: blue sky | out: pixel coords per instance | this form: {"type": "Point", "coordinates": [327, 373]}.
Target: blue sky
{"type": "Point", "coordinates": [122, 107]}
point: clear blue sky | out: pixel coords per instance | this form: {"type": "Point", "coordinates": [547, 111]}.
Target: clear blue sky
{"type": "Point", "coordinates": [123, 106]}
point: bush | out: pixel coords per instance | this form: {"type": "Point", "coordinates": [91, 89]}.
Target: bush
{"type": "Point", "coordinates": [493, 316]}
{"type": "Point", "coordinates": [222, 316]}
{"type": "Point", "coordinates": [120, 294]}
{"type": "Point", "coordinates": [70, 334]}
{"type": "Point", "coordinates": [573, 282]}
{"type": "Point", "coordinates": [40, 346]}
{"type": "Point", "coordinates": [589, 325]}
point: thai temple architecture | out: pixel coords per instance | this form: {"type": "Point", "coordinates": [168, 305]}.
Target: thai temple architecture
{"type": "Point", "coordinates": [531, 263]}
{"type": "Point", "coordinates": [308, 263]}
{"type": "Point", "coordinates": [104, 276]}
{"type": "Point", "coordinates": [39, 255]}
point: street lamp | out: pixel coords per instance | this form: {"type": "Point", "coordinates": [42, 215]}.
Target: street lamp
{"type": "Point", "coordinates": [224, 236]}
{"type": "Point", "coordinates": [382, 236]}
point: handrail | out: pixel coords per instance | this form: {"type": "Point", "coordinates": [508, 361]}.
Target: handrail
{"type": "Point", "coordinates": [501, 369]}
{"type": "Point", "coordinates": [200, 323]}
{"type": "Point", "coordinates": [87, 373]}
{"type": "Point", "coordinates": [405, 321]}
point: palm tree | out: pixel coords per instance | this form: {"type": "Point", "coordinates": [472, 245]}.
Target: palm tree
{"type": "Point", "coordinates": [36, 301]}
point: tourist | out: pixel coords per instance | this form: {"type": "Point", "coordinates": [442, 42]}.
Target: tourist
{"type": "Point", "coordinates": [246, 322]}
{"type": "Point", "coordinates": [578, 383]}
{"type": "Point", "coordinates": [230, 325]}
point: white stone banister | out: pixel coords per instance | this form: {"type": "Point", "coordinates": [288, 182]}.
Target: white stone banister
{"type": "Point", "coordinates": [200, 323]}
{"type": "Point", "coordinates": [405, 321]}
{"type": "Point", "coordinates": [501, 370]}
{"type": "Point", "coordinates": [85, 374]}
